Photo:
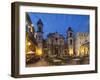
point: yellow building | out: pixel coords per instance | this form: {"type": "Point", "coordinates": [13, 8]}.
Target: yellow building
{"type": "Point", "coordinates": [31, 48]}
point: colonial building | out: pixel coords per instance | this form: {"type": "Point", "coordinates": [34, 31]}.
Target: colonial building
{"type": "Point", "coordinates": [30, 41]}
{"type": "Point", "coordinates": [70, 41]}
{"type": "Point", "coordinates": [29, 26]}
{"type": "Point", "coordinates": [82, 44]}
{"type": "Point", "coordinates": [55, 44]}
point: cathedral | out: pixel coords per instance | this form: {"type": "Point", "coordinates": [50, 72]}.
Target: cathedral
{"type": "Point", "coordinates": [55, 44]}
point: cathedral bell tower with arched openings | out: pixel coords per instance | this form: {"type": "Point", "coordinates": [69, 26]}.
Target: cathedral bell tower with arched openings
{"type": "Point", "coordinates": [70, 41]}
{"type": "Point", "coordinates": [39, 37]}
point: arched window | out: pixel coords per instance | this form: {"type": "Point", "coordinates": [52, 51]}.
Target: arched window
{"type": "Point", "coordinates": [71, 42]}
{"type": "Point", "coordinates": [70, 35]}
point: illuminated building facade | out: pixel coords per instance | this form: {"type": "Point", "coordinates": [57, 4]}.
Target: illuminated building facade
{"type": "Point", "coordinates": [82, 44]}
{"type": "Point", "coordinates": [30, 41]}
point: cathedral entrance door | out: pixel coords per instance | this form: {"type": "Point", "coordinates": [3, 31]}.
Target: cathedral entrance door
{"type": "Point", "coordinates": [56, 51]}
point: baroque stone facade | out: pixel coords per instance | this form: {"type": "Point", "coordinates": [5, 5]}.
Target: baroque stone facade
{"type": "Point", "coordinates": [55, 45]}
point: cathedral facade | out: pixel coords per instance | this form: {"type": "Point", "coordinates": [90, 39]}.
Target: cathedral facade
{"type": "Point", "coordinates": [55, 45]}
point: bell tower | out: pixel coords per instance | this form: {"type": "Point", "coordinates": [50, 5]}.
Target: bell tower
{"type": "Point", "coordinates": [39, 35]}
{"type": "Point", "coordinates": [40, 26]}
{"type": "Point", "coordinates": [70, 41]}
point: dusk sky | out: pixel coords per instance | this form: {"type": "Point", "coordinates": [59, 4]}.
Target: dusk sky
{"type": "Point", "coordinates": [60, 22]}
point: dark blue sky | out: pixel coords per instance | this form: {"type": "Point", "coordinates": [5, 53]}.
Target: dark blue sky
{"type": "Point", "coordinates": [60, 22]}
